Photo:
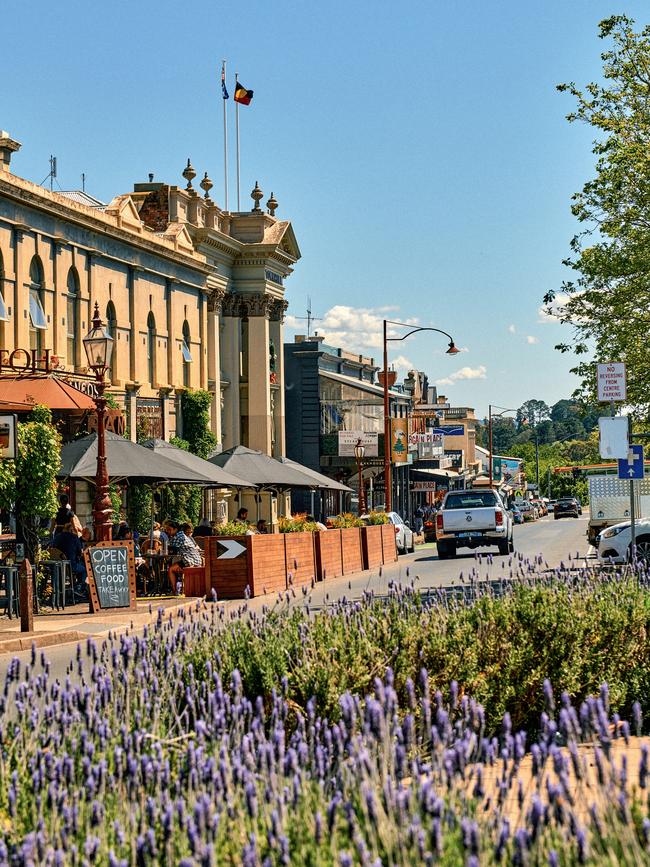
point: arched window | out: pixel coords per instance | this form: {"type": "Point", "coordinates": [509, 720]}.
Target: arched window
{"type": "Point", "coordinates": [37, 320]}
{"type": "Point", "coordinates": [72, 317]}
{"type": "Point", "coordinates": [111, 327]}
{"type": "Point", "coordinates": [3, 309]}
{"type": "Point", "coordinates": [151, 348]}
{"type": "Point", "coordinates": [187, 355]}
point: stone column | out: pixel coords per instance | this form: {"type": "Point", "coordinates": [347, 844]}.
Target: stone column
{"type": "Point", "coordinates": [58, 307]}
{"type": "Point", "coordinates": [230, 349]}
{"type": "Point", "coordinates": [278, 310]}
{"type": "Point", "coordinates": [203, 355]}
{"type": "Point", "coordinates": [133, 330]}
{"type": "Point", "coordinates": [259, 374]}
{"type": "Point", "coordinates": [214, 360]}
{"type": "Point", "coordinates": [169, 293]}
{"type": "Point", "coordinates": [164, 410]}
{"type": "Point", "coordinates": [130, 408]}
{"type": "Point", "coordinates": [21, 291]}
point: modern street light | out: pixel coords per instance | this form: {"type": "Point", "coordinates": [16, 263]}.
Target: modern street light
{"type": "Point", "coordinates": [492, 415]}
{"type": "Point", "coordinates": [359, 452]}
{"type": "Point", "coordinates": [452, 350]}
{"type": "Point", "coordinates": [99, 346]}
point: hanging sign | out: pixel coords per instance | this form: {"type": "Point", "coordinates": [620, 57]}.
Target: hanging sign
{"type": "Point", "coordinates": [612, 384]}
{"type": "Point", "coordinates": [110, 567]}
{"type": "Point", "coordinates": [349, 438]}
{"type": "Point", "coordinates": [399, 440]}
{"type": "Point", "coordinates": [8, 436]}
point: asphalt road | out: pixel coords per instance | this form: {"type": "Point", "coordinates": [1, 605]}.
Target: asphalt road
{"type": "Point", "coordinates": [554, 541]}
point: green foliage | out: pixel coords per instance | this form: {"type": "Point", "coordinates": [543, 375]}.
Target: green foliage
{"type": "Point", "coordinates": [139, 501]}
{"type": "Point", "coordinates": [606, 303]}
{"type": "Point", "coordinates": [297, 524]}
{"type": "Point", "coordinates": [346, 520]}
{"type": "Point", "coordinates": [182, 502]}
{"type": "Point", "coordinates": [376, 517]}
{"type": "Point", "coordinates": [195, 407]}
{"type": "Point", "coordinates": [499, 650]}
{"type": "Point", "coordinates": [231, 528]}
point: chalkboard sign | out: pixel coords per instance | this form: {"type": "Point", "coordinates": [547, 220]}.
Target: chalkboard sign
{"type": "Point", "coordinates": [111, 575]}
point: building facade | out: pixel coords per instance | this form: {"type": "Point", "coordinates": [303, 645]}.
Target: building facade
{"type": "Point", "coordinates": [193, 297]}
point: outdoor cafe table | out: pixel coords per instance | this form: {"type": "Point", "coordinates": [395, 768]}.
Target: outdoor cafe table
{"type": "Point", "coordinates": [159, 565]}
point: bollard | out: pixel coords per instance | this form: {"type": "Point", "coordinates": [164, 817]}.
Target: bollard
{"type": "Point", "coordinates": [26, 597]}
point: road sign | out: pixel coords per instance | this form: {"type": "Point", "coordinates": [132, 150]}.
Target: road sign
{"type": "Point", "coordinates": [613, 437]}
{"type": "Point", "coordinates": [632, 466]}
{"type": "Point", "coordinates": [233, 549]}
{"type": "Point", "coordinates": [612, 385]}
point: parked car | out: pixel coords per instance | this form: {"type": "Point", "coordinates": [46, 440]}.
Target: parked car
{"type": "Point", "coordinates": [613, 543]}
{"type": "Point", "coordinates": [517, 515]}
{"type": "Point", "coordinates": [473, 519]}
{"type": "Point", "coordinates": [541, 507]}
{"type": "Point", "coordinates": [567, 507]}
{"type": "Point", "coordinates": [404, 536]}
{"type": "Point", "coordinates": [527, 509]}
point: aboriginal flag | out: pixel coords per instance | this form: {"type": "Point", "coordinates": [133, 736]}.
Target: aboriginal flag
{"type": "Point", "coordinates": [242, 95]}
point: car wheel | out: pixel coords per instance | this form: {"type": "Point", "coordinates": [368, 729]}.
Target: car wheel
{"type": "Point", "coordinates": [412, 548]}
{"type": "Point", "coordinates": [511, 546]}
{"type": "Point", "coordinates": [557, 517]}
{"type": "Point", "coordinates": [504, 547]}
{"type": "Point", "coordinates": [642, 550]}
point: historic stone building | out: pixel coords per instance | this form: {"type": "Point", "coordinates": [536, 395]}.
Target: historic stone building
{"type": "Point", "coordinates": [193, 297]}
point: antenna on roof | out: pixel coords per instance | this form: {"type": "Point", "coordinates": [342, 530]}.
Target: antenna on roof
{"type": "Point", "coordinates": [309, 317]}
{"type": "Point", "coordinates": [51, 174]}
{"type": "Point", "coordinates": [83, 182]}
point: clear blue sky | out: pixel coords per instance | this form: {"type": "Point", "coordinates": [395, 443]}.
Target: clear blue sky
{"type": "Point", "coordinates": [419, 148]}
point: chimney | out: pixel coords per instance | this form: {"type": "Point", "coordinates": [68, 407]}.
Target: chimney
{"type": "Point", "coordinates": [7, 147]}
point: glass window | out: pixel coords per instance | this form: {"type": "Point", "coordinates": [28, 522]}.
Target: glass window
{"type": "Point", "coordinates": [36, 312]}
{"type": "Point", "coordinates": [151, 348]}
{"type": "Point", "coordinates": [111, 328]}
{"type": "Point", "coordinates": [72, 316]}
{"type": "Point", "coordinates": [187, 355]}
{"type": "Point", "coordinates": [3, 309]}
{"type": "Point", "coordinates": [471, 500]}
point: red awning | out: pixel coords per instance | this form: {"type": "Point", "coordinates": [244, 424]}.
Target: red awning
{"type": "Point", "coordinates": [22, 393]}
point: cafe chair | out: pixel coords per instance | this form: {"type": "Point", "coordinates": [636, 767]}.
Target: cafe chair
{"type": "Point", "coordinates": [62, 574]}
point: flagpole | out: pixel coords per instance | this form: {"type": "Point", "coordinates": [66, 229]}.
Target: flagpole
{"type": "Point", "coordinates": [237, 129]}
{"type": "Point", "coordinates": [225, 140]}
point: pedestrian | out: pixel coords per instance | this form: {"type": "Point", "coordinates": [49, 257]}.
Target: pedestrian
{"type": "Point", "coordinates": [261, 526]}
{"type": "Point", "coordinates": [242, 515]}
{"type": "Point", "coordinates": [419, 520]}
{"type": "Point", "coordinates": [185, 550]}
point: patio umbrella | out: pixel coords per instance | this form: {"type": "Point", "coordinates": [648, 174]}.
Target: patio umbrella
{"type": "Point", "coordinates": [260, 469]}
{"type": "Point", "coordinates": [320, 480]}
{"type": "Point", "coordinates": [124, 460]}
{"type": "Point", "coordinates": [187, 460]}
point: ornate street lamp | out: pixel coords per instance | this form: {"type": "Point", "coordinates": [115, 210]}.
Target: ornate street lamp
{"type": "Point", "coordinates": [452, 350]}
{"type": "Point", "coordinates": [359, 452]}
{"type": "Point", "coordinates": [98, 344]}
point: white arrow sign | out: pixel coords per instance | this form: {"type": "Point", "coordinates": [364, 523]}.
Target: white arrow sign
{"type": "Point", "coordinates": [233, 549]}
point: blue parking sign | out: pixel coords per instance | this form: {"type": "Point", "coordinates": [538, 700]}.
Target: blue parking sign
{"type": "Point", "coordinates": [631, 467]}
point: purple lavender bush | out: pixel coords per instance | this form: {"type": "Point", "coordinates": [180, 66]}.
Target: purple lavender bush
{"type": "Point", "coordinates": [139, 758]}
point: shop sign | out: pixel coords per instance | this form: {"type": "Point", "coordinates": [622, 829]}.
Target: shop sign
{"type": "Point", "coordinates": [423, 486]}
{"type": "Point", "coordinates": [8, 436]}
{"type": "Point", "coordinates": [149, 417]}
{"type": "Point", "coordinates": [399, 440]}
{"type": "Point", "coordinates": [349, 438]}
{"type": "Point", "coordinates": [23, 360]}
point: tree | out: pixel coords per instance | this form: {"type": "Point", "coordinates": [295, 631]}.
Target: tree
{"type": "Point", "coordinates": [607, 304]}
{"type": "Point", "coordinates": [503, 434]}
{"type": "Point", "coordinates": [532, 412]}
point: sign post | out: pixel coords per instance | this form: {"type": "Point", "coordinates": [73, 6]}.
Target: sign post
{"type": "Point", "coordinates": [632, 468]}
{"type": "Point", "coordinates": [110, 567]}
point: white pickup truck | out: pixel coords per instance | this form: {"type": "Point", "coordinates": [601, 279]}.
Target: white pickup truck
{"type": "Point", "coordinates": [470, 519]}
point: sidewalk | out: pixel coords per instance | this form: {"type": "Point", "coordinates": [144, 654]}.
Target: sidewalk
{"type": "Point", "coordinates": [75, 623]}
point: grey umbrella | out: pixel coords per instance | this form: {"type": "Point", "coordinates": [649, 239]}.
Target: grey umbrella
{"type": "Point", "coordinates": [187, 460]}
{"type": "Point", "coordinates": [124, 460]}
{"type": "Point", "coordinates": [320, 480]}
{"type": "Point", "coordinates": [260, 469]}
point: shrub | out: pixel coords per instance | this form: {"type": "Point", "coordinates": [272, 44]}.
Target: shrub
{"type": "Point", "coordinates": [346, 520]}
{"type": "Point", "coordinates": [297, 524]}
{"type": "Point", "coordinates": [231, 528]}
{"type": "Point", "coordinates": [377, 517]}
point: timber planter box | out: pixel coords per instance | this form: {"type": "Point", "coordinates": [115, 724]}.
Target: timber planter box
{"type": "Point", "coordinates": [388, 543]}
{"type": "Point", "coordinates": [300, 558]}
{"type": "Point", "coordinates": [351, 553]}
{"type": "Point", "coordinates": [329, 554]}
{"type": "Point", "coordinates": [228, 577]}
{"type": "Point", "coordinates": [372, 546]}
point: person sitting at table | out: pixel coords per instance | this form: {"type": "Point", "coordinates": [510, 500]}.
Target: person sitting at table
{"type": "Point", "coordinates": [262, 526]}
{"type": "Point", "coordinates": [66, 545]}
{"type": "Point", "coordinates": [204, 528]}
{"type": "Point", "coordinates": [185, 552]}
{"type": "Point", "coordinates": [242, 515]}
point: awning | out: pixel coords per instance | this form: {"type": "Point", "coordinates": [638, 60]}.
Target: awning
{"type": "Point", "coordinates": [320, 479]}
{"type": "Point", "coordinates": [263, 470]}
{"type": "Point", "coordinates": [363, 385]}
{"type": "Point", "coordinates": [189, 461]}
{"type": "Point", "coordinates": [446, 474]}
{"type": "Point", "coordinates": [48, 390]}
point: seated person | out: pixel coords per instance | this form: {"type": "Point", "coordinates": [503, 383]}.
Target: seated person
{"type": "Point", "coordinates": [204, 528]}
{"type": "Point", "coordinates": [185, 550]}
{"type": "Point", "coordinates": [261, 526]}
{"type": "Point", "coordinates": [68, 545]}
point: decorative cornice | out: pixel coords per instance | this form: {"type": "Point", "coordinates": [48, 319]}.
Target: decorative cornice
{"type": "Point", "coordinates": [278, 309]}
{"type": "Point", "coordinates": [215, 300]}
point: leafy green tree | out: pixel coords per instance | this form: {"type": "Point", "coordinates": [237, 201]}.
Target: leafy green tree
{"type": "Point", "coordinates": [531, 413]}
{"type": "Point", "coordinates": [503, 434]}
{"type": "Point", "coordinates": [195, 408]}
{"type": "Point", "coordinates": [607, 303]}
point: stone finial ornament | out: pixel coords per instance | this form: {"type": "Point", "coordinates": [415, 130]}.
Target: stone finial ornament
{"type": "Point", "coordinates": [272, 205]}
{"type": "Point", "coordinates": [256, 196]}
{"type": "Point", "coordinates": [189, 174]}
{"type": "Point", "coordinates": [206, 185]}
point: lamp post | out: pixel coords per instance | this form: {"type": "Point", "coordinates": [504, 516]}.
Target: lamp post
{"type": "Point", "coordinates": [492, 415]}
{"type": "Point", "coordinates": [452, 350]}
{"type": "Point", "coordinates": [99, 345]}
{"type": "Point", "coordinates": [359, 452]}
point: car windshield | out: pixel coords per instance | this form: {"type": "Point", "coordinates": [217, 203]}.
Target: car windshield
{"type": "Point", "coordinates": [568, 502]}
{"type": "Point", "coordinates": [470, 500]}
